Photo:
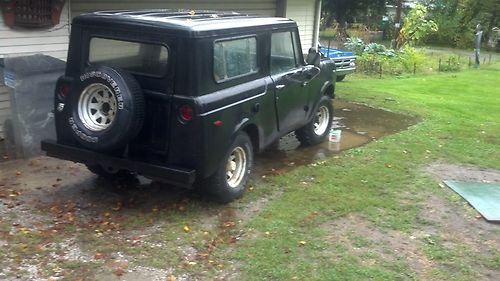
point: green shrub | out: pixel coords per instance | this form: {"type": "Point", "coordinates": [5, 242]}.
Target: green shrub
{"type": "Point", "coordinates": [451, 64]}
{"type": "Point", "coordinates": [411, 58]}
{"type": "Point", "coordinates": [355, 45]}
{"type": "Point", "coordinates": [379, 49]}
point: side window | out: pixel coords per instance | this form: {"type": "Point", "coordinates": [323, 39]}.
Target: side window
{"type": "Point", "coordinates": [298, 49]}
{"type": "Point", "coordinates": [283, 56]}
{"type": "Point", "coordinates": [235, 58]}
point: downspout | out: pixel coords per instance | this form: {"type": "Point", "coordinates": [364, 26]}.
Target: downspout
{"type": "Point", "coordinates": [317, 18]}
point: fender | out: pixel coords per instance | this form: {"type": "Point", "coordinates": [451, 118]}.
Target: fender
{"type": "Point", "coordinates": [325, 86]}
{"type": "Point", "coordinates": [244, 121]}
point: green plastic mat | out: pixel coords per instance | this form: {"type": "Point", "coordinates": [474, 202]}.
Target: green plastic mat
{"type": "Point", "coordinates": [484, 197]}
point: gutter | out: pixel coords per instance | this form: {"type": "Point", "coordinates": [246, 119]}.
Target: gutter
{"type": "Point", "coordinates": [317, 18]}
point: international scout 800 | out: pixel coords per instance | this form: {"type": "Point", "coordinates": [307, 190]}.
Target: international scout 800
{"type": "Point", "coordinates": [186, 97]}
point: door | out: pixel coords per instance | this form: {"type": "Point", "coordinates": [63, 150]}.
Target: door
{"type": "Point", "coordinates": [287, 73]}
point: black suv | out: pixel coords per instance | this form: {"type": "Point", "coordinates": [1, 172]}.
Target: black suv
{"type": "Point", "coordinates": [186, 97]}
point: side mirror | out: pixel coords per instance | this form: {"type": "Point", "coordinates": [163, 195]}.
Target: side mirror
{"type": "Point", "coordinates": [313, 57]}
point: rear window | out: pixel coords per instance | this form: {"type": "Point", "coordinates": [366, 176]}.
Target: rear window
{"type": "Point", "coordinates": [140, 58]}
{"type": "Point", "coordinates": [235, 58]}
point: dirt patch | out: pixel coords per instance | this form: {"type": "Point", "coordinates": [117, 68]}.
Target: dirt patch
{"type": "Point", "coordinates": [79, 225]}
{"type": "Point", "coordinates": [443, 171]}
{"type": "Point", "coordinates": [458, 222]}
{"type": "Point", "coordinates": [362, 238]}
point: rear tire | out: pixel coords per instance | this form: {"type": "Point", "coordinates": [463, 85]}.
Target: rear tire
{"type": "Point", "coordinates": [340, 78]}
{"type": "Point", "coordinates": [318, 128]}
{"type": "Point", "coordinates": [107, 108]}
{"type": "Point", "coordinates": [230, 180]}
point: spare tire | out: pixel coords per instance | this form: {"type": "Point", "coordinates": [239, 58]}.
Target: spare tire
{"type": "Point", "coordinates": [107, 108]}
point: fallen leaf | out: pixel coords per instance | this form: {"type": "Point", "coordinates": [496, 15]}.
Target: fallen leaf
{"type": "Point", "coordinates": [98, 256]}
{"type": "Point", "coordinates": [387, 165]}
{"type": "Point", "coordinates": [229, 224]}
{"type": "Point", "coordinates": [302, 243]}
{"type": "Point", "coordinates": [186, 229]}
{"type": "Point", "coordinates": [118, 272]}
{"type": "Point", "coordinates": [18, 173]}
{"type": "Point", "coordinates": [171, 278]}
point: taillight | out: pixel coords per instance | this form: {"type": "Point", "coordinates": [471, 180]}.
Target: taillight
{"type": "Point", "coordinates": [64, 91]}
{"type": "Point", "coordinates": [186, 113]}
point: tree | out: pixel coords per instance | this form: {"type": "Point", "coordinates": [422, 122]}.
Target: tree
{"type": "Point", "coordinates": [416, 26]}
{"type": "Point", "coordinates": [457, 19]}
{"type": "Point", "coordinates": [343, 11]}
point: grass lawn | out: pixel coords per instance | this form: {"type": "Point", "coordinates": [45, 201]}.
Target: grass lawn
{"type": "Point", "coordinates": [372, 212]}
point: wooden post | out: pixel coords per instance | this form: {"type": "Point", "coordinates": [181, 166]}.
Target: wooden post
{"type": "Point", "coordinates": [439, 67]}
{"type": "Point", "coordinates": [397, 21]}
{"type": "Point", "coordinates": [380, 64]}
{"type": "Point", "coordinates": [414, 68]}
{"type": "Point", "coordinates": [470, 62]}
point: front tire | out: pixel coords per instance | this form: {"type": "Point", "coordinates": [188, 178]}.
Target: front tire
{"type": "Point", "coordinates": [318, 128]}
{"type": "Point", "coordinates": [230, 180]}
{"type": "Point", "coordinates": [340, 78]}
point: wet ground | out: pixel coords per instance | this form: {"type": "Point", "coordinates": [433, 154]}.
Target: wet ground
{"type": "Point", "coordinates": [359, 124]}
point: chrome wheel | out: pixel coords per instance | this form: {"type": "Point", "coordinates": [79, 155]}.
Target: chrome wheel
{"type": "Point", "coordinates": [97, 107]}
{"type": "Point", "coordinates": [236, 167]}
{"type": "Point", "coordinates": [321, 120]}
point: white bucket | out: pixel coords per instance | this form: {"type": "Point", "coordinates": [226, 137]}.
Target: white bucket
{"type": "Point", "coordinates": [335, 135]}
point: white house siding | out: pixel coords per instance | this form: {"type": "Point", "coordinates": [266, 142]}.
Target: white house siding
{"type": "Point", "coordinates": [21, 41]}
{"type": "Point", "coordinates": [24, 42]}
{"type": "Point", "coordinates": [303, 13]}
{"type": "Point", "coordinates": [262, 7]}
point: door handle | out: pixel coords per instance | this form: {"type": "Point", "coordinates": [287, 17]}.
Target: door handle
{"type": "Point", "coordinates": [280, 86]}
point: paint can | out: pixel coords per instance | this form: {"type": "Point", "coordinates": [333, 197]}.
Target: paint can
{"type": "Point", "coordinates": [335, 135]}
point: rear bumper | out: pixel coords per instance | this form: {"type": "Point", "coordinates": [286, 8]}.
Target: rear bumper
{"type": "Point", "coordinates": [174, 175]}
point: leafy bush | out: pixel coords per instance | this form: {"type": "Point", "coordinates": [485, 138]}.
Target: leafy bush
{"type": "Point", "coordinates": [378, 64]}
{"type": "Point", "coordinates": [379, 49]}
{"type": "Point", "coordinates": [355, 45]}
{"type": "Point", "coordinates": [411, 58]}
{"type": "Point", "coordinates": [452, 64]}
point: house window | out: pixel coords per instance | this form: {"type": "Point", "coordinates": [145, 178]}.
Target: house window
{"type": "Point", "coordinates": [235, 58]}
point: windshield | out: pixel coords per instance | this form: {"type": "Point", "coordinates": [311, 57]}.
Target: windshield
{"type": "Point", "coordinates": [139, 58]}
